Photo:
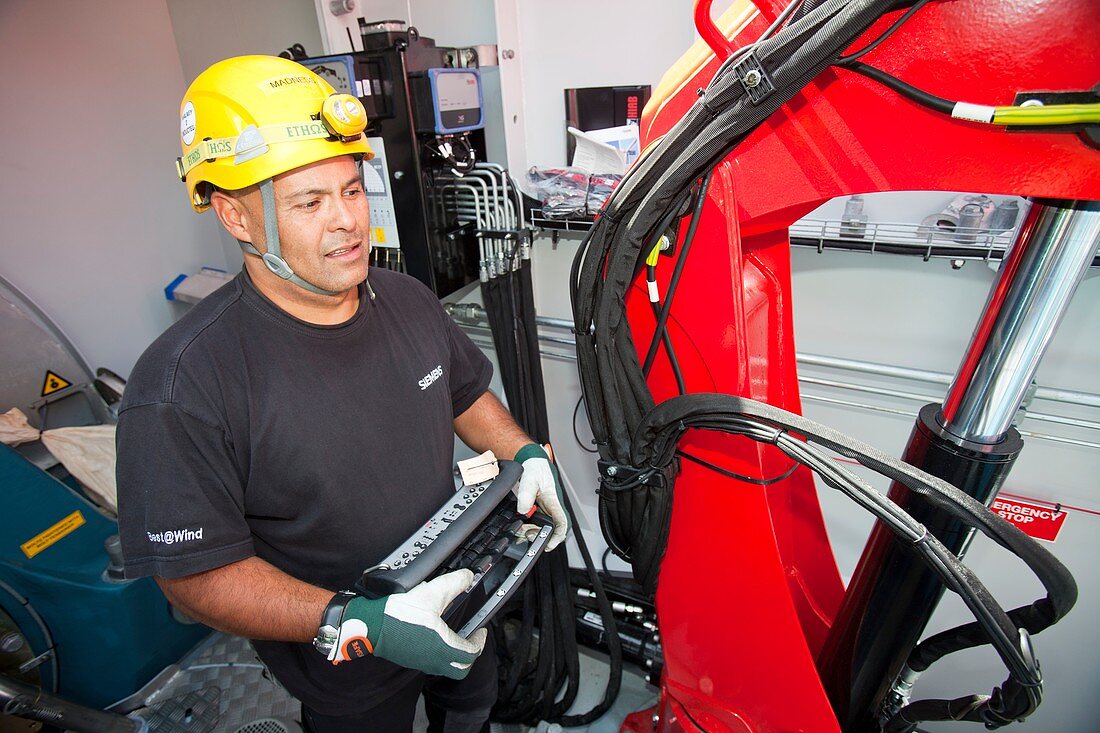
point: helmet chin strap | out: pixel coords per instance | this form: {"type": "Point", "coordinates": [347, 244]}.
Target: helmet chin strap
{"type": "Point", "coordinates": [272, 258]}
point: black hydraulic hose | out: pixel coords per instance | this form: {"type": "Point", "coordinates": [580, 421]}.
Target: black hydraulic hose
{"type": "Point", "coordinates": [674, 282]}
{"type": "Point", "coordinates": [610, 370]}
{"type": "Point", "coordinates": [1021, 693]}
{"type": "Point", "coordinates": [614, 644]}
{"type": "Point", "coordinates": [670, 351]}
{"type": "Point", "coordinates": [689, 151]}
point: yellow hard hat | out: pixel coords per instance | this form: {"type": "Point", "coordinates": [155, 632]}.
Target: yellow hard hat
{"type": "Point", "coordinates": [247, 119]}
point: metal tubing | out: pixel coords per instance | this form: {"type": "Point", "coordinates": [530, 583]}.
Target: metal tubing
{"type": "Point", "coordinates": [1056, 254]}
{"type": "Point", "coordinates": [1054, 394]}
{"type": "Point", "coordinates": [870, 367]}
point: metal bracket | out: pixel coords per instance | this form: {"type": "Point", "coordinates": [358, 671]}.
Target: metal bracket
{"type": "Point", "coordinates": [754, 78]}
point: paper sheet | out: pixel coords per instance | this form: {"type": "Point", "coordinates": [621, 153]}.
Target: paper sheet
{"type": "Point", "coordinates": [479, 468]}
{"type": "Point", "coordinates": [595, 156]}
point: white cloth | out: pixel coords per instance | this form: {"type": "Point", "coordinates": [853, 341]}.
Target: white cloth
{"type": "Point", "coordinates": [88, 453]}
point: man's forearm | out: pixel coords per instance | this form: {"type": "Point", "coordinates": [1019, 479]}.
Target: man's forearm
{"type": "Point", "coordinates": [487, 425]}
{"type": "Point", "coordinates": [250, 598]}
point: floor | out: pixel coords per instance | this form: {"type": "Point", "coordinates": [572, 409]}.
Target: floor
{"type": "Point", "coordinates": [221, 687]}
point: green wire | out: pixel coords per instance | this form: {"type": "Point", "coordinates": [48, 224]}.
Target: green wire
{"type": "Point", "coordinates": [1054, 114]}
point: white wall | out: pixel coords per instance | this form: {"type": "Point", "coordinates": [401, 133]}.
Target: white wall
{"type": "Point", "coordinates": [211, 30]}
{"type": "Point", "coordinates": [96, 222]}
{"type": "Point", "coordinates": [580, 43]}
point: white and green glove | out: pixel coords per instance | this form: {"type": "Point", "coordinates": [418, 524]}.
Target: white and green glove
{"type": "Point", "coordinates": [406, 629]}
{"type": "Point", "coordinates": [539, 484]}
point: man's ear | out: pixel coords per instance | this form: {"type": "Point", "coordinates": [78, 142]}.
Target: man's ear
{"type": "Point", "coordinates": [237, 218]}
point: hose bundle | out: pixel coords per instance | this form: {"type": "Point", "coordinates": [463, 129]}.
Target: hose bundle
{"type": "Point", "coordinates": [634, 506]}
{"type": "Point", "coordinates": [637, 439]}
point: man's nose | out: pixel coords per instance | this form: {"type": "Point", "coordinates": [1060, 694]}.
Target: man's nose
{"type": "Point", "coordinates": [345, 213]}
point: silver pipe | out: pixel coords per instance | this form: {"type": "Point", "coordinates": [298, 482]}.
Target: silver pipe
{"type": "Point", "coordinates": [922, 398]}
{"type": "Point", "coordinates": [473, 311]}
{"type": "Point", "coordinates": [870, 367]}
{"type": "Point", "coordinates": [905, 413]}
{"type": "Point", "coordinates": [1068, 396]}
{"type": "Point", "coordinates": [1059, 420]}
{"type": "Point", "coordinates": [925, 399]}
{"type": "Point", "coordinates": [1054, 394]}
{"type": "Point", "coordinates": [1056, 258]}
{"type": "Point", "coordinates": [554, 322]}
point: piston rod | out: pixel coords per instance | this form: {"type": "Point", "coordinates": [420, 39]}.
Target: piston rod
{"type": "Point", "coordinates": [1013, 334]}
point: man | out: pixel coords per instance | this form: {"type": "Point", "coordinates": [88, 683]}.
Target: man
{"type": "Point", "coordinates": [281, 436]}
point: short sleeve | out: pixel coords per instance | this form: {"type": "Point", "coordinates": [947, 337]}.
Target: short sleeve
{"type": "Point", "coordinates": [180, 496]}
{"type": "Point", "coordinates": [471, 370]}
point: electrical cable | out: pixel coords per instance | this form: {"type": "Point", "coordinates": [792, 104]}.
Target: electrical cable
{"type": "Point", "coordinates": [673, 362]}
{"type": "Point", "coordinates": [678, 271]}
{"type": "Point", "coordinates": [1007, 631]}
{"type": "Point", "coordinates": [576, 437]}
{"type": "Point", "coordinates": [1008, 116]}
{"type": "Point", "coordinates": [1051, 114]}
{"type": "Point", "coordinates": [739, 476]}
{"type": "Point", "coordinates": [921, 97]}
{"type": "Point", "coordinates": [842, 60]}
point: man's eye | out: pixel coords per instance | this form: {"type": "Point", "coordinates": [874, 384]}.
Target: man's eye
{"type": "Point", "coordinates": [311, 204]}
{"type": "Point", "coordinates": [353, 192]}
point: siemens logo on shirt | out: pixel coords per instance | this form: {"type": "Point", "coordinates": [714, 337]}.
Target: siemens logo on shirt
{"type": "Point", "coordinates": [173, 536]}
{"type": "Point", "coordinates": [428, 379]}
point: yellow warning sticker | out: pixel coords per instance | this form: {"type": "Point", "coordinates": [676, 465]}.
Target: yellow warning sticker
{"type": "Point", "coordinates": [41, 541]}
{"type": "Point", "coordinates": [379, 235]}
{"type": "Point", "coordinates": [54, 383]}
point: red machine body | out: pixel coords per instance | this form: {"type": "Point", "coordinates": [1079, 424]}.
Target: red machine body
{"type": "Point", "coordinates": [749, 587]}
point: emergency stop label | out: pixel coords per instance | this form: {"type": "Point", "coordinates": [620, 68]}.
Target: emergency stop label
{"type": "Point", "coordinates": [1036, 520]}
{"type": "Point", "coordinates": [41, 541]}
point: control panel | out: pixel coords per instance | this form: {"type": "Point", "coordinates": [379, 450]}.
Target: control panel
{"type": "Point", "coordinates": [376, 176]}
{"type": "Point", "coordinates": [477, 528]}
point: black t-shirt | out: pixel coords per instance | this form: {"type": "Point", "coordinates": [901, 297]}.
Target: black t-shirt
{"type": "Point", "coordinates": [247, 432]}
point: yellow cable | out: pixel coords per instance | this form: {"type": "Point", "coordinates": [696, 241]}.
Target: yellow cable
{"type": "Point", "coordinates": [651, 259]}
{"type": "Point", "coordinates": [1053, 114]}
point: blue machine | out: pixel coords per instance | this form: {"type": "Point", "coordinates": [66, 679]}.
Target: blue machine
{"type": "Point", "coordinates": [67, 625]}
{"type": "Point", "coordinates": [99, 639]}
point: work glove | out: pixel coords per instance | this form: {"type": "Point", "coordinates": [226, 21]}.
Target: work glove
{"type": "Point", "coordinates": [406, 629]}
{"type": "Point", "coordinates": [539, 484]}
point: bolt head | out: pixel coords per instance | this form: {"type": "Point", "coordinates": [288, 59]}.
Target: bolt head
{"type": "Point", "coordinates": [11, 642]}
